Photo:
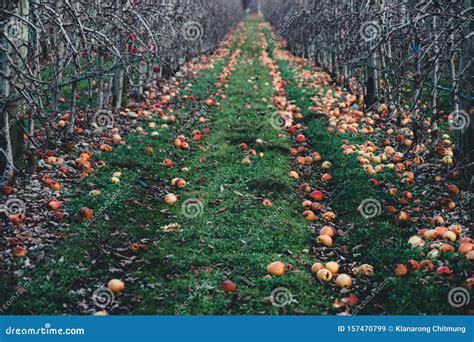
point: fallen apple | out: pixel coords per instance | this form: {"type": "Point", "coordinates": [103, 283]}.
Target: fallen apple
{"type": "Point", "coordinates": [168, 163]}
{"type": "Point", "coordinates": [325, 240]}
{"type": "Point", "coordinates": [324, 275]}
{"type": "Point", "coordinates": [171, 199]}
{"type": "Point", "coordinates": [326, 177]}
{"type": "Point", "coordinates": [344, 281]}
{"type": "Point", "coordinates": [427, 265]}
{"type": "Point", "coordinates": [449, 235]}
{"type": "Point", "coordinates": [86, 214]}
{"type": "Point", "coordinates": [54, 204]}
{"type": "Point", "coordinates": [464, 248]}
{"type": "Point", "coordinates": [294, 175]}
{"type": "Point", "coordinates": [455, 228]}
{"type": "Point", "coordinates": [19, 251]}
{"type": "Point", "coordinates": [317, 195]}
{"type": "Point", "coordinates": [300, 138]}
{"type": "Point", "coordinates": [246, 161]}
{"type": "Point", "coordinates": [326, 165]}
{"type": "Point", "coordinates": [276, 268]}
{"type": "Point", "coordinates": [178, 182]}
{"type": "Point", "coordinates": [444, 271]}
{"type": "Point", "coordinates": [116, 285]}
{"type": "Point", "coordinates": [309, 215]}
{"type": "Point", "coordinates": [400, 270]}
{"type": "Point", "coordinates": [333, 267]}
{"type": "Point", "coordinates": [8, 190]}
{"type": "Point", "coordinates": [229, 286]}
{"type": "Point", "coordinates": [329, 216]}
{"type": "Point", "coordinates": [416, 241]}
{"type": "Point", "coordinates": [316, 267]}
{"type": "Point", "coordinates": [328, 230]}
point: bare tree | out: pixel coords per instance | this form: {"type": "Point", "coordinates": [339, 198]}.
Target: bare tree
{"type": "Point", "coordinates": [50, 50]}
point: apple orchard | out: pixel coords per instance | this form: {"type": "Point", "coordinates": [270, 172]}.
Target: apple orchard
{"type": "Point", "coordinates": [256, 157]}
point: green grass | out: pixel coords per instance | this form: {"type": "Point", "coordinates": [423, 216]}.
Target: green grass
{"type": "Point", "coordinates": [383, 241]}
{"type": "Point", "coordinates": [235, 237]}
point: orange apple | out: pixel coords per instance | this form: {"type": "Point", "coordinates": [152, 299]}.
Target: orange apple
{"type": "Point", "coordinates": [324, 275]}
{"type": "Point", "coordinates": [316, 267]}
{"type": "Point", "coordinates": [171, 199]}
{"type": "Point", "coordinates": [54, 204]}
{"type": "Point", "coordinates": [86, 214]}
{"type": "Point", "coordinates": [344, 281]}
{"type": "Point", "coordinates": [276, 268]}
{"type": "Point", "coordinates": [400, 270]}
{"type": "Point", "coordinates": [325, 240]}
{"type": "Point", "coordinates": [116, 285]}
{"type": "Point", "coordinates": [332, 266]}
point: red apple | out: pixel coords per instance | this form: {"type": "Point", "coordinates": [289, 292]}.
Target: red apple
{"type": "Point", "coordinates": [317, 195]}
{"type": "Point", "coordinates": [229, 286]}
{"type": "Point", "coordinates": [300, 138]}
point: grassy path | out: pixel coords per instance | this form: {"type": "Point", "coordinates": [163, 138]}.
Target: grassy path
{"type": "Point", "coordinates": [236, 236]}
{"type": "Point", "coordinates": [232, 236]}
{"type": "Point", "coordinates": [239, 211]}
{"type": "Point", "coordinates": [378, 240]}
